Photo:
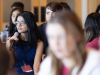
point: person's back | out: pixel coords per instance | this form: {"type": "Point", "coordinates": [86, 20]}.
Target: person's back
{"type": "Point", "coordinates": [92, 29]}
{"type": "Point", "coordinates": [92, 64]}
{"type": "Point", "coordinates": [94, 44]}
{"type": "Point", "coordinates": [43, 34]}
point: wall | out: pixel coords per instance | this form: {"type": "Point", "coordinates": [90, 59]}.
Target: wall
{"type": "Point", "coordinates": [7, 7]}
{"type": "Point", "coordinates": [0, 15]}
{"type": "Point", "coordinates": [78, 9]}
{"type": "Point", "coordinates": [71, 3]}
{"type": "Point", "coordinates": [75, 5]}
{"type": "Point", "coordinates": [92, 5]}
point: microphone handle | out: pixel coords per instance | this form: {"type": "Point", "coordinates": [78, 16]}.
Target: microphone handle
{"type": "Point", "coordinates": [12, 45]}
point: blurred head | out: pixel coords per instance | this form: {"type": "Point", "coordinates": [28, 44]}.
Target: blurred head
{"type": "Point", "coordinates": [4, 60]}
{"type": "Point", "coordinates": [65, 5]}
{"type": "Point", "coordinates": [18, 5]}
{"type": "Point", "coordinates": [52, 8]}
{"type": "Point", "coordinates": [98, 9]}
{"type": "Point", "coordinates": [13, 15]}
{"type": "Point", "coordinates": [92, 27]}
{"type": "Point", "coordinates": [25, 23]}
{"type": "Point", "coordinates": [66, 38]}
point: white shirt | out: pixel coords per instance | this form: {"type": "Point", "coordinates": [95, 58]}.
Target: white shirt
{"type": "Point", "coordinates": [92, 64]}
{"type": "Point", "coordinates": [45, 66]}
{"type": "Point", "coordinates": [91, 67]}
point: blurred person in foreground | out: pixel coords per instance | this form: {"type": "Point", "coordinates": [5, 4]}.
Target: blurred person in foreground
{"type": "Point", "coordinates": [92, 29]}
{"type": "Point", "coordinates": [66, 41]}
{"type": "Point", "coordinates": [51, 9]}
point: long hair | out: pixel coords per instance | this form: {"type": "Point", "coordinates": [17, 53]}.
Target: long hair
{"type": "Point", "coordinates": [98, 8]}
{"type": "Point", "coordinates": [72, 25]}
{"type": "Point", "coordinates": [92, 27]}
{"type": "Point", "coordinates": [32, 34]}
{"type": "Point", "coordinates": [12, 27]}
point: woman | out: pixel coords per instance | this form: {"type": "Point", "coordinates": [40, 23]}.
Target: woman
{"type": "Point", "coordinates": [28, 49]}
{"type": "Point", "coordinates": [66, 46]}
{"type": "Point", "coordinates": [11, 26]}
{"type": "Point", "coordinates": [92, 29]}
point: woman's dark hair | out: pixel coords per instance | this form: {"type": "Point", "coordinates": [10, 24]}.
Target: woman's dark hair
{"type": "Point", "coordinates": [92, 26]}
{"type": "Point", "coordinates": [98, 8]}
{"type": "Point", "coordinates": [12, 27]}
{"type": "Point", "coordinates": [32, 34]}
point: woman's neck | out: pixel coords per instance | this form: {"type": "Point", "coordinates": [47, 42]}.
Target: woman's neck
{"type": "Point", "coordinates": [23, 36]}
{"type": "Point", "coordinates": [69, 62]}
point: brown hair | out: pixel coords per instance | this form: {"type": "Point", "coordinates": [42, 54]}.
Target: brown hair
{"type": "Point", "coordinates": [4, 59]}
{"type": "Point", "coordinates": [54, 6]}
{"type": "Point", "coordinates": [72, 25]}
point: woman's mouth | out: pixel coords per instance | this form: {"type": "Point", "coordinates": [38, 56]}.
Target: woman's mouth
{"type": "Point", "coordinates": [19, 28]}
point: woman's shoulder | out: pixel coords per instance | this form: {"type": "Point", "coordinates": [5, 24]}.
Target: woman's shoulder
{"type": "Point", "coordinates": [75, 70]}
{"type": "Point", "coordinates": [92, 64]}
{"type": "Point", "coordinates": [45, 66]}
{"type": "Point", "coordinates": [93, 44]}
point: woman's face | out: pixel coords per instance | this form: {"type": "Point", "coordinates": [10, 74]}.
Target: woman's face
{"type": "Point", "coordinates": [21, 25]}
{"type": "Point", "coordinates": [14, 14]}
{"type": "Point", "coordinates": [61, 44]}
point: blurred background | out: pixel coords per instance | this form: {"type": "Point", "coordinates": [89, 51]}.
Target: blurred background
{"type": "Point", "coordinates": [81, 7]}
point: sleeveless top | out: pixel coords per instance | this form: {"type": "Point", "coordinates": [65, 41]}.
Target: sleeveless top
{"type": "Point", "coordinates": [19, 55]}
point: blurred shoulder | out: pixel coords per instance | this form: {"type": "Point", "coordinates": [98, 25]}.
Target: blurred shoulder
{"type": "Point", "coordinates": [92, 63]}
{"type": "Point", "coordinates": [42, 25]}
{"type": "Point", "coordinates": [45, 66]}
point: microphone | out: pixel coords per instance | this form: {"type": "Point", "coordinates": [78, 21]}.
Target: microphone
{"type": "Point", "coordinates": [13, 41]}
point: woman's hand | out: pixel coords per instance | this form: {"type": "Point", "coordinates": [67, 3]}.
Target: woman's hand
{"type": "Point", "coordinates": [9, 44]}
{"type": "Point", "coordinates": [13, 38]}
{"type": "Point", "coordinates": [10, 41]}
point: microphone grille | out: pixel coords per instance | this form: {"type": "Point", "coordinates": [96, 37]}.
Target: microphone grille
{"type": "Point", "coordinates": [16, 34]}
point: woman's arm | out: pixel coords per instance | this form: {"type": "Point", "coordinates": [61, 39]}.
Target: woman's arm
{"type": "Point", "coordinates": [12, 61]}
{"type": "Point", "coordinates": [38, 57]}
{"type": "Point", "coordinates": [11, 52]}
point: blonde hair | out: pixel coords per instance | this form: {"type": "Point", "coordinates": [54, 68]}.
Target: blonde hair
{"type": "Point", "coordinates": [72, 25]}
